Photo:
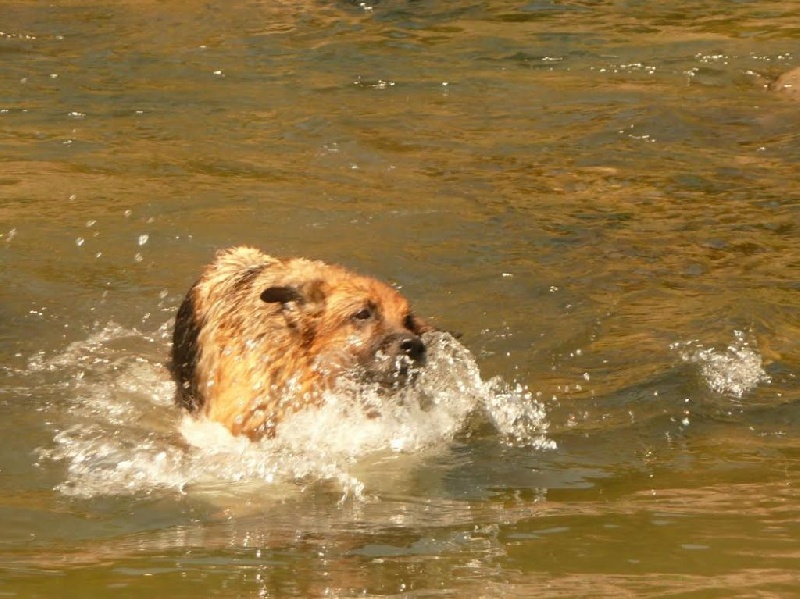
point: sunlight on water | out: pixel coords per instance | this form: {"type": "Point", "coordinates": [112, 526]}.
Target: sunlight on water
{"type": "Point", "coordinates": [736, 370]}
{"type": "Point", "coordinates": [123, 436]}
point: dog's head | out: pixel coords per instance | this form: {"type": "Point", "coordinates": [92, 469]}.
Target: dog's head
{"type": "Point", "coordinates": [353, 325]}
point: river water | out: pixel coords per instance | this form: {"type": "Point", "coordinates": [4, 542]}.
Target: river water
{"type": "Point", "coordinates": [601, 197]}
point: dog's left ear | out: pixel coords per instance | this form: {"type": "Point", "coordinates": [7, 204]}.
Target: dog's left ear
{"type": "Point", "coordinates": [300, 304]}
{"type": "Point", "coordinates": [281, 295]}
{"type": "Point", "coordinates": [311, 292]}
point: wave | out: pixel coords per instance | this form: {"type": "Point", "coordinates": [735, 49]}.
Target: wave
{"type": "Point", "coordinates": [121, 433]}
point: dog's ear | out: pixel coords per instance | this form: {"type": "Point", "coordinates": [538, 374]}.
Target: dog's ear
{"type": "Point", "coordinates": [281, 295]}
{"type": "Point", "coordinates": [301, 305]}
{"type": "Point", "coordinates": [304, 295]}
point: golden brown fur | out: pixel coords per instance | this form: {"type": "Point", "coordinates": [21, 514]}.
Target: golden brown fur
{"type": "Point", "coordinates": [258, 337]}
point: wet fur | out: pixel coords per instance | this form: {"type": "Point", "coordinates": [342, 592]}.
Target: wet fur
{"type": "Point", "coordinates": [258, 337]}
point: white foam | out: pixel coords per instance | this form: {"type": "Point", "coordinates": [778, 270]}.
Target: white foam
{"type": "Point", "coordinates": [735, 370]}
{"type": "Point", "coordinates": [123, 435]}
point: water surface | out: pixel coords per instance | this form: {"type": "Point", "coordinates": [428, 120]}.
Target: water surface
{"type": "Point", "coordinates": [602, 199]}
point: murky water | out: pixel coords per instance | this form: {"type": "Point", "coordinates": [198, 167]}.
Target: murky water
{"type": "Point", "coordinates": [602, 199]}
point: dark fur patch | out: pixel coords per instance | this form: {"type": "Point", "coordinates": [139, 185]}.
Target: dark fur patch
{"type": "Point", "coordinates": [248, 276]}
{"type": "Point", "coordinates": [185, 354]}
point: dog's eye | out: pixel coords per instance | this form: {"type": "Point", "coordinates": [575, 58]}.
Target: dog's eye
{"type": "Point", "coordinates": [409, 323]}
{"type": "Point", "coordinates": [363, 314]}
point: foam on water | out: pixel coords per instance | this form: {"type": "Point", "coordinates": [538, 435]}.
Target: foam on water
{"type": "Point", "coordinates": [735, 370]}
{"type": "Point", "coordinates": [122, 435]}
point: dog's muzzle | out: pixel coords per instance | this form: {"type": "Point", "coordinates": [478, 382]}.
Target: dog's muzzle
{"type": "Point", "coordinates": [398, 359]}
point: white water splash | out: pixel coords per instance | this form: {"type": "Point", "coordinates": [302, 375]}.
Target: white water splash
{"type": "Point", "coordinates": [123, 435]}
{"type": "Point", "coordinates": [735, 371]}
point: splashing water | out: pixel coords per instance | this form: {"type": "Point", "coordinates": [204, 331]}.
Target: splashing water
{"type": "Point", "coordinates": [122, 434]}
{"type": "Point", "coordinates": [734, 371]}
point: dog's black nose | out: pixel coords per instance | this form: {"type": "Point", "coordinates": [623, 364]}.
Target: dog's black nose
{"type": "Point", "coordinates": [414, 348]}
